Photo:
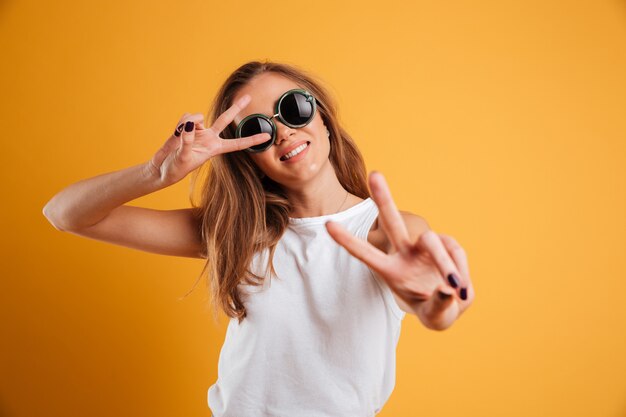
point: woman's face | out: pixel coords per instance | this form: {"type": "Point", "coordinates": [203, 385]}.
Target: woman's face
{"type": "Point", "coordinates": [265, 90]}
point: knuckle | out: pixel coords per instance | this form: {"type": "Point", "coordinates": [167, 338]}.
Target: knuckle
{"type": "Point", "coordinates": [447, 239]}
{"type": "Point", "coordinates": [428, 236]}
{"type": "Point", "coordinates": [453, 241]}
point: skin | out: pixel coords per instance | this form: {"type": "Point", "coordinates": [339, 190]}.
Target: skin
{"type": "Point", "coordinates": [412, 259]}
{"type": "Point", "coordinates": [401, 249]}
{"type": "Point", "coordinates": [311, 184]}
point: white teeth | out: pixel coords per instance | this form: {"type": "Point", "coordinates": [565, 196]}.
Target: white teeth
{"type": "Point", "coordinates": [295, 151]}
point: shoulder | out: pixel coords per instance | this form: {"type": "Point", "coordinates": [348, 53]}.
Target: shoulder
{"type": "Point", "coordinates": [415, 224]}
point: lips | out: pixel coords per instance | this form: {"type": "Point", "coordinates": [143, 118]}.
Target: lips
{"type": "Point", "coordinates": [291, 148]}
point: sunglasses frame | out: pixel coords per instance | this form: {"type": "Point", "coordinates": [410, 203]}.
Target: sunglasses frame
{"type": "Point", "coordinates": [309, 98]}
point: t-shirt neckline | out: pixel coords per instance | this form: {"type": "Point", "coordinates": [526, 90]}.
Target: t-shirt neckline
{"type": "Point", "coordinates": [301, 221]}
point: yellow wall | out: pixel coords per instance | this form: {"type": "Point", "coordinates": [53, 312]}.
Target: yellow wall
{"type": "Point", "coordinates": [502, 123]}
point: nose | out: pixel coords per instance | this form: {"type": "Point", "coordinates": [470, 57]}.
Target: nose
{"type": "Point", "coordinates": [282, 132]}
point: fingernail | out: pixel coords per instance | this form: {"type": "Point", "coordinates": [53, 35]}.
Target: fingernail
{"type": "Point", "coordinates": [178, 129]}
{"type": "Point", "coordinates": [453, 280]}
{"type": "Point", "coordinates": [463, 294]}
{"type": "Point", "coordinates": [189, 126]}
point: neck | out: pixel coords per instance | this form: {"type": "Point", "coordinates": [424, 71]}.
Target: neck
{"type": "Point", "coordinates": [320, 196]}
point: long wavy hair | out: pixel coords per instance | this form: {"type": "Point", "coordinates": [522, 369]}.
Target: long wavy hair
{"type": "Point", "coordinates": [241, 211]}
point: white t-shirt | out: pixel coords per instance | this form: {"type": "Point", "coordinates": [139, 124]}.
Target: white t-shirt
{"type": "Point", "coordinates": [319, 341]}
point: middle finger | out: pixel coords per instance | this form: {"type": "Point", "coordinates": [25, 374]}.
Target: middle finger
{"type": "Point", "coordinates": [225, 118]}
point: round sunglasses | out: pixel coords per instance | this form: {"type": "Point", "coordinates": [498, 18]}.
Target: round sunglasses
{"type": "Point", "coordinates": [295, 108]}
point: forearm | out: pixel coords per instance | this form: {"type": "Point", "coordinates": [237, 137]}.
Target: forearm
{"type": "Point", "coordinates": [88, 201]}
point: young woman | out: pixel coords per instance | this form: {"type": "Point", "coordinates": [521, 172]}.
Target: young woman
{"type": "Point", "coordinates": [315, 273]}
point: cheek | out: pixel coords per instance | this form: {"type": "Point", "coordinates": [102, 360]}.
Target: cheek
{"type": "Point", "coordinates": [319, 124]}
{"type": "Point", "coordinates": [262, 160]}
{"type": "Point", "coordinates": [317, 130]}
{"type": "Point", "coordinates": [323, 141]}
{"type": "Point", "coordinates": [320, 132]}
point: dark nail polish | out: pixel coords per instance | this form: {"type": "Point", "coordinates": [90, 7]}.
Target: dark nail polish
{"type": "Point", "coordinates": [453, 280]}
{"type": "Point", "coordinates": [179, 129]}
{"type": "Point", "coordinates": [463, 293]}
{"type": "Point", "coordinates": [189, 126]}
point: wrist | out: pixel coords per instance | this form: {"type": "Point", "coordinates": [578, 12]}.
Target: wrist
{"type": "Point", "coordinates": [152, 174]}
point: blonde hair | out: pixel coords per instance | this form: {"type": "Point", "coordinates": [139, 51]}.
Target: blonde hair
{"type": "Point", "coordinates": [240, 211]}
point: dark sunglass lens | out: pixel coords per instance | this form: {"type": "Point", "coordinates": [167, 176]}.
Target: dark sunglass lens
{"type": "Point", "coordinates": [254, 126]}
{"type": "Point", "coordinates": [296, 109]}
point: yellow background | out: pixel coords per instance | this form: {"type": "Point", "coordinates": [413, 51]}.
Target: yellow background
{"type": "Point", "coordinates": [502, 123]}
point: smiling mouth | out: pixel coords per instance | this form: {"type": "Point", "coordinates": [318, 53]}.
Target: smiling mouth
{"type": "Point", "coordinates": [284, 157]}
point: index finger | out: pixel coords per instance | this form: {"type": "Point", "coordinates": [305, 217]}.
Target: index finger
{"type": "Point", "coordinates": [225, 118]}
{"type": "Point", "coordinates": [359, 248]}
{"type": "Point", "coordinates": [237, 144]}
{"type": "Point", "coordinates": [390, 217]}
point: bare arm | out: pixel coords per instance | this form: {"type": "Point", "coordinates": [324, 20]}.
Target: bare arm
{"type": "Point", "coordinates": [94, 207]}
{"type": "Point", "coordinates": [164, 232]}
{"type": "Point", "coordinates": [88, 201]}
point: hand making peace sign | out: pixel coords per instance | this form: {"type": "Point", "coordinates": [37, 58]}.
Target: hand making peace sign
{"type": "Point", "coordinates": [192, 144]}
{"type": "Point", "coordinates": [418, 272]}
